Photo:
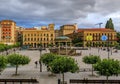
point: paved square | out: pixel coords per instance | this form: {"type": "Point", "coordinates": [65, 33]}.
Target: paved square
{"type": "Point", "coordinates": [30, 70]}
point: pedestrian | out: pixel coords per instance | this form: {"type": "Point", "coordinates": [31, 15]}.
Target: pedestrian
{"type": "Point", "coordinates": [36, 63]}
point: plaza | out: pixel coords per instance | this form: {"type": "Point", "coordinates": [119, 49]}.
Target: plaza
{"type": "Point", "coordinates": [31, 72]}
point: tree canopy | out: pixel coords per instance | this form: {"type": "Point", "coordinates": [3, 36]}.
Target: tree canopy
{"type": "Point", "coordinates": [109, 24]}
{"type": "Point", "coordinates": [59, 64]}
{"type": "Point", "coordinates": [3, 62]}
{"type": "Point", "coordinates": [108, 67]}
{"type": "Point", "coordinates": [48, 58]}
{"type": "Point", "coordinates": [92, 59]}
{"type": "Point", "coordinates": [77, 41]}
{"type": "Point", "coordinates": [63, 65]}
{"type": "Point", "coordinates": [17, 59]}
{"type": "Point", "coordinates": [118, 37]}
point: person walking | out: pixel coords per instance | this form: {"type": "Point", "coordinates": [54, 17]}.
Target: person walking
{"type": "Point", "coordinates": [36, 63]}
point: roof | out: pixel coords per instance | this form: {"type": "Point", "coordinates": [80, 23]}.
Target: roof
{"type": "Point", "coordinates": [7, 21]}
{"type": "Point", "coordinates": [62, 37]}
{"type": "Point", "coordinates": [30, 28]}
{"type": "Point", "coordinates": [94, 29]}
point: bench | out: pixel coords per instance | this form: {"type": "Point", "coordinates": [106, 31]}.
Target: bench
{"type": "Point", "coordinates": [19, 81]}
{"type": "Point", "coordinates": [94, 81]}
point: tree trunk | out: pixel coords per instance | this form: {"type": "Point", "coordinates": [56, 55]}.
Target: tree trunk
{"type": "Point", "coordinates": [40, 66]}
{"type": "Point", "coordinates": [92, 69]}
{"type": "Point", "coordinates": [16, 69]}
{"type": "Point", "coordinates": [63, 78]}
{"type": "Point", "coordinates": [107, 79]}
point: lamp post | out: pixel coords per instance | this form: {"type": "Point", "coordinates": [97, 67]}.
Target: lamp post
{"type": "Point", "coordinates": [40, 49]}
{"type": "Point", "coordinates": [89, 38]}
{"type": "Point", "coordinates": [104, 38]}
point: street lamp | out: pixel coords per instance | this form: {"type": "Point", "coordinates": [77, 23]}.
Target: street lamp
{"type": "Point", "coordinates": [105, 38]}
{"type": "Point", "coordinates": [89, 38]}
{"type": "Point", "coordinates": [40, 49]}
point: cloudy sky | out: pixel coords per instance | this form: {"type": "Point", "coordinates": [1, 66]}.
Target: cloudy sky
{"type": "Point", "coordinates": [86, 13]}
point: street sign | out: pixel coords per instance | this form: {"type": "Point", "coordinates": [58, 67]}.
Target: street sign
{"type": "Point", "coordinates": [104, 38]}
{"type": "Point", "coordinates": [89, 38]}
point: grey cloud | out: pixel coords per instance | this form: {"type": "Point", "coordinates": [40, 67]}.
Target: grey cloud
{"type": "Point", "coordinates": [107, 6]}
{"type": "Point", "coordinates": [57, 11]}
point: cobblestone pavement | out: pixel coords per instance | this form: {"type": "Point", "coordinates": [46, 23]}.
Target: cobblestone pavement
{"type": "Point", "coordinates": [30, 71]}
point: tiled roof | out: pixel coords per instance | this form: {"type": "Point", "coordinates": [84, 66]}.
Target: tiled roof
{"type": "Point", "coordinates": [30, 28]}
{"type": "Point", "coordinates": [94, 29]}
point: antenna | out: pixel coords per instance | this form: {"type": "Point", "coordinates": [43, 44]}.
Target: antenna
{"type": "Point", "coordinates": [99, 24]}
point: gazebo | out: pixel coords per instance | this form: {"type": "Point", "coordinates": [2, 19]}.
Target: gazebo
{"type": "Point", "coordinates": [63, 42]}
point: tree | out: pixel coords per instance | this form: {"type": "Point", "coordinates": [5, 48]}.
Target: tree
{"type": "Point", "coordinates": [50, 45]}
{"type": "Point", "coordinates": [118, 37]}
{"type": "Point", "coordinates": [108, 67]}
{"type": "Point", "coordinates": [3, 62]}
{"type": "Point", "coordinates": [17, 59]}
{"type": "Point", "coordinates": [76, 40]}
{"type": "Point", "coordinates": [109, 24]}
{"type": "Point", "coordinates": [92, 59]}
{"type": "Point", "coordinates": [89, 44]}
{"type": "Point", "coordinates": [48, 58]}
{"type": "Point", "coordinates": [79, 44]}
{"type": "Point", "coordinates": [63, 65]}
{"type": "Point", "coordinates": [106, 26]}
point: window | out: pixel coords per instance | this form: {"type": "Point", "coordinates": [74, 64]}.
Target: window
{"type": "Point", "coordinates": [51, 34]}
{"type": "Point", "coordinates": [28, 39]}
{"type": "Point", "coordinates": [25, 39]}
{"type": "Point", "coordinates": [51, 39]}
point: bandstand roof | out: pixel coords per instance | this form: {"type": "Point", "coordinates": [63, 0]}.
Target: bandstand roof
{"type": "Point", "coordinates": [62, 38]}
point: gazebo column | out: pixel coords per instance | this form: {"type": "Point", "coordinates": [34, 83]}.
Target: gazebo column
{"type": "Point", "coordinates": [66, 47]}
{"type": "Point", "coordinates": [70, 44]}
{"type": "Point", "coordinates": [59, 47]}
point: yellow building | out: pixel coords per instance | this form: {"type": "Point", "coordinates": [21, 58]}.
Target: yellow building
{"type": "Point", "coordinates": [35, 36]}
{"type": "Point", "coordinates": [67, 29]}
{"type": "Point", "coordinates": [0, 34]}
{"type": "Point", "coordinates": [93, 37]}
{"type": "Point", "coordinates": [8, 34]}
{"type": "Point", "coordinates": [96, 37]}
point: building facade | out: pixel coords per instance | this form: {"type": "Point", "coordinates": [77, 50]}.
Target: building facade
{"type": "Point", "coordinates": [0, 34]}
{"type": "Point", "coordinates": [38, 37]}
{"type": "Point", "coordinates": [8, 32]}
{"type": "Point", "coordinates": [96, 35]}
{"type": "Point", "coordinates": [67, 29]}
{"type": "Point", "coordinates": [93, 37]}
